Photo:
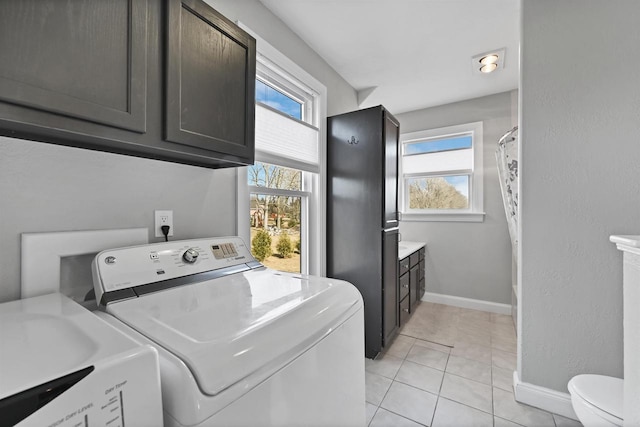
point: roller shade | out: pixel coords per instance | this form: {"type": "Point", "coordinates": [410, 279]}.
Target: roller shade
{"type": "Point", "coordinates": [286, 141]}
{"type": "Point", "coordinates": [457, 160]}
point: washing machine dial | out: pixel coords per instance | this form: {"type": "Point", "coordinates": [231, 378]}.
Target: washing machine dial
{"type": "Point", "coordinates": [190, 256]}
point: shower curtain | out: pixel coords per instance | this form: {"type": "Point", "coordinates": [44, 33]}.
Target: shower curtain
{"type": "Point", "coordinates": [507, 160]}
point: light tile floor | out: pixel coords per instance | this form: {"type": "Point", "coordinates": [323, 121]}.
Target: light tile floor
{"type": "Point", "coordinates": [453, 367]}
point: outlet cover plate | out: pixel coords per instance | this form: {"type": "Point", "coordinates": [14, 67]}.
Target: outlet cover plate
{"type": "Point", "coordinates": [163, 218]}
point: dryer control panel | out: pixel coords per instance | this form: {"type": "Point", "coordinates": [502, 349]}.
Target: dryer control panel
{"type": "Point", "coordinates": [134, 267]}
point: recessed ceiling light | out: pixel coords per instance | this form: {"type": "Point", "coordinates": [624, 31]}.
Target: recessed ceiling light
{"type": "Point", "coordinates": [488, 68]}
{"type": "Point", "coordinates": [489, 59]}
{"type": "Point", "coordinates": [488, 62]}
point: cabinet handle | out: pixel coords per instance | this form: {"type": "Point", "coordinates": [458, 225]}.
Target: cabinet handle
{"type": "Point", "coordinates": [406, 310]}
{"type": "Point", "coordinates": [405, 286]}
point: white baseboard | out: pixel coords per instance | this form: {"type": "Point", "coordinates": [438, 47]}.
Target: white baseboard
{"type": "Point", "coordinates": [543, 398]}
{"type": "Point", "coordinates": [474, 304]}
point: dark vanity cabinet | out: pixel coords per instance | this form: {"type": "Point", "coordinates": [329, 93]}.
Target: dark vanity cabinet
{"type": "Point", "coordinates": [170, 80]}
{"type": "Point", "coordinates": [412, 283]}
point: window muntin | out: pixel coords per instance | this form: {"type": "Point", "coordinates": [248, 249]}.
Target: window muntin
{"type": "Point", "coordinates": [441, 173]}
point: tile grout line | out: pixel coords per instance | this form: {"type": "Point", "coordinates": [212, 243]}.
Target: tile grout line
{"type": "Point", "coordinates": [404, 359]}
{"type": "Point", "coordinates": [392, 381]}
{"type": "Point", "coordinates": [493, 401]}
{"type": "Point", "coordinates": [433, 417]}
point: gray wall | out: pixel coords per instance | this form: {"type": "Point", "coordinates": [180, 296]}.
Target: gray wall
{"type": "Point", "coordinates": [51, 188]}
{"type": "Point", "coordinates": [580, 157]}
{"type": "Point", "coordinates": [465, 259]}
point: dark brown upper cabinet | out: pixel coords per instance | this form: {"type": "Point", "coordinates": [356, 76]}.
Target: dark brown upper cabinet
{"type": "Point", "coordinates": [211, 71]}
{"type": "Point", "coordinates": [77, 61]}
{"type": "Point", "coordinates": [169, 80]}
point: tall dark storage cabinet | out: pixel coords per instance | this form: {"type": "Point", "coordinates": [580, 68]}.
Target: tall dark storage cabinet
{"type": "Point", "coordinates": [362, 215]}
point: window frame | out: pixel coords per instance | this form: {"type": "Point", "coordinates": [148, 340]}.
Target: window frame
{"type": "Point", "coordinates": [475, 211]}
{"type": "Point", "coordinates": [296, 82]}
{"type": "Point", "coordinates": [275, 76]}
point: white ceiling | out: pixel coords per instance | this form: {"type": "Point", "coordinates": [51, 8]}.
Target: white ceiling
{"type": "Point", "coordinates": [409, 54]}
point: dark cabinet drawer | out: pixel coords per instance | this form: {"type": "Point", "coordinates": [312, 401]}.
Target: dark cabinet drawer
{"type": "Point", "coordinates": [404, 285]}
{"type": "Point", "coordinates": [422, 253]}
{"type": "Point", "coordinates": [404, 265]}
{"type": "Point", "coordinates": [404, 310]}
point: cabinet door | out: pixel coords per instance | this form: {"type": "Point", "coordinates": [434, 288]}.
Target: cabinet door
{"type": "Point", "coordinates": [390, 320]}
{"type": "Point", "coordinates": [391, 137]}
{"type": "Point", "coordinates": [414, 285]}
{"type": "Point", "coordinates": [80, 59]}
{"type": "Point", "coordinates": [210, 95]}
{"type": "Point", "coordinates": [423, 284]}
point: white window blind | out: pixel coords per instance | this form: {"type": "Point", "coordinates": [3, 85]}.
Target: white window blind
{"type": "Point", "coordinates": [293, 143]}
{"type": "Point", "coordinates": [428, 163]}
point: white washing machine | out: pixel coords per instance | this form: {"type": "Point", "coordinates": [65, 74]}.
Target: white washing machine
{"type": "Point", "coordinates": [239, 344]}
{"type": "Point", "coordinates": [61, 366]}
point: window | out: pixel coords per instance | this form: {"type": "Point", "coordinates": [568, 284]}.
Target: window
{"type": "Point", "coordinates": [268, 95]}
{"type": "Point", "coordinates": [279, 204]}
{"type": "Point", "coordinates": [441, 173]}
{"type": "Point", "coordinates": [279, 196]}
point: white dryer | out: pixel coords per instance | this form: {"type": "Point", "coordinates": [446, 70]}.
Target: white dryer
{"type": "Point", "coordinates": [61, 366]}
{"type": "Point", "coordinates": [239, 344]}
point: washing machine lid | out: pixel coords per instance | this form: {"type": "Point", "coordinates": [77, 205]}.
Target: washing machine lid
{"type": "Point", "coordinates": [227, 328]}
{"type": "Point", "coordinates": [44, 338]}
{"type": "Point", "coordinates": [602, 392]}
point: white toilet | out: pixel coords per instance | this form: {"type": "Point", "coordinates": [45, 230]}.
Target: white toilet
{"type": "Point", "coordinates": [597, 400]}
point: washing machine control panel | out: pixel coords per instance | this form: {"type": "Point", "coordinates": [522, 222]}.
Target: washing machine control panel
{"type": "Point", "coordinates": [124, 268]}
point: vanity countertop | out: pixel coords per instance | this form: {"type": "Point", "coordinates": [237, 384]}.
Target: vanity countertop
{"type": "Point", "coordinates": [407, 248]}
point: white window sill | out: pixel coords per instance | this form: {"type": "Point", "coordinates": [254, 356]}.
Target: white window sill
{"type": "Point", "coordinates": [443, 217]}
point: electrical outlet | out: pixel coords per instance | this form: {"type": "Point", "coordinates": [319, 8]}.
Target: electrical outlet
{"type": "Point", "coordinates": [163, 218]}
